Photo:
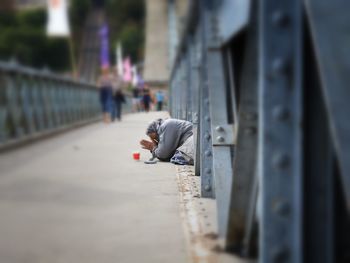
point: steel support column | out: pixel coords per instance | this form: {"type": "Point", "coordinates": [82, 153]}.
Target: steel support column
{"type": "Point", "coordinates": [330, 26]}
{"type": "Point", "coordinates": [280, 134]}
{"type": "Point", "coordinates": [244, 187]}
{"type": "Point", "coordinates": [222, 132]}
{"type": "Point", "coordinates": [206, 161]}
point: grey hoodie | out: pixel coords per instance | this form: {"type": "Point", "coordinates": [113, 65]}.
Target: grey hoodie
{"type": "Point", "coordinates": [172, 134]}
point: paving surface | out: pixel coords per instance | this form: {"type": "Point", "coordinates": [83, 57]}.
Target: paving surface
{"type": "Point", "coordinates": [79, 197]}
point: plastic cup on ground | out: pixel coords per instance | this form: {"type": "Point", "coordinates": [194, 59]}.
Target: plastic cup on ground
{"type": "Point", "coordinates": [136, 156]}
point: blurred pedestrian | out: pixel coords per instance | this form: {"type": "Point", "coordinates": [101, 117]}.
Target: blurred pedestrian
{"type": "Point", "coordinates": [119, 99]}
{"type": "Point", "coordinates": [135, 99]}
{"type": "Point", "coordinates": [117, 85]}
{"type": "Point", "coordinates": [146, 99]}
{"type": "Point", "coordinates": [105, 84]}
{"type": "Point", "coordinates": [160, 100]}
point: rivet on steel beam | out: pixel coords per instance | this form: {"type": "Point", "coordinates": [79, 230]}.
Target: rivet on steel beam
{"type": "Point", "coordinates": [219, 129]}
{"type": "Point", "coordinates": [207, 188]}
{"type": "Point", "coordinates": [206, 101]}
{"type": "Point", "coordinates": [279, 66]}
{"type": "Point", "coordinates": [280, 113]}
{"type": "Point", "coordinates": [279, 18]}
{"type": "Point", "coordinates": [207, 153]}
{"type": "Point", "coordinates": [207, 118]}
{"type": "Point", "coordinates": [280, 254]}
{"type": "Point", "coordinates": [280, 161]}
{"type": "Point", "coordinates": [220, 139]}
{"type": "Point", "coordinates": [207, 136]}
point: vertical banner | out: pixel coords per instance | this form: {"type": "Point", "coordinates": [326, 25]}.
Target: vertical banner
{"type": "Point", "coordinates": [57, 25]}
{"type": "Point", "coordinates": [104, 55]}
{"type": "Point", "coordinates": [127, 70]}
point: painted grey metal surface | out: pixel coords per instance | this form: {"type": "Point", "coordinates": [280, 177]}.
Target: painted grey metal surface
{"type": "Point", "coordinates": [195, 88]}
{"type": "Point", "coordinates": [190, 100]}
{"type": "Point", "coordinates": [244, 185]}
{"type": "Point", "coordinates": [330, 29]}
{"type": "Point", "coordinates": [272, 127]}
{"type": "Point", "coordinates": [319, 224]}
{"type": "Point", "coordinates": [218, 114]}
{"type": "Point", "coordinates": [34, 102]}
{"type": "Point", "coordinates": [206, 148]}
{"type": "Point", "coordinates": [280, 132]}
{"type": "Point", "coordinates": [231, 24]}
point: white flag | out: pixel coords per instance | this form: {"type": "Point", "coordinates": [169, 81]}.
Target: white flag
{"type": "Point", "coordinates": [57, 24]}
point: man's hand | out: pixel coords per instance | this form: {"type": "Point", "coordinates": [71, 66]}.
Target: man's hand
{"type": "Point", "coordinates": [155, 142]}
{"type": "Point", "coordinates": [147, 145]}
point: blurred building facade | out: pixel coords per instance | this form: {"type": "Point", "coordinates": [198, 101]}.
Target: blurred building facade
{"type": "Point", "coordinates": [163, 28]}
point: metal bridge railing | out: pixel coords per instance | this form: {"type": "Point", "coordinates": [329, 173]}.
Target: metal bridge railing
{"type": "Point", "coordinates": [34, 103]}
{"type": "Point", "coordinates": [265, 84]}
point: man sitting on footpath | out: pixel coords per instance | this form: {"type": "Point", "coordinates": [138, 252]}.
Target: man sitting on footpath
{"type": "Point", "coordinates": [171, 140]}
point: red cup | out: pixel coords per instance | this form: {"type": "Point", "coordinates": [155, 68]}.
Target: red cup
{"type": "Point", "coordinates": [136, 156]}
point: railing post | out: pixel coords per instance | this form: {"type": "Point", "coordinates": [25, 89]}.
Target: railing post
{"type": "Point", "coordinates": [34, 103]}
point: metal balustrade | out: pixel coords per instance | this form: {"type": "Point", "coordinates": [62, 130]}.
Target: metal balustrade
{"type": "Point", "coordinates": [265, 85]}
{"type": "Point", "coordinates": [35, 103]}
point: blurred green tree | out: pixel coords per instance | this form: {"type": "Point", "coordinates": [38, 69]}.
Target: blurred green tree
{"type": "Point", "coordinates": [126, 19]}
{"type": "Point", "coordinates": [23, 33]}
{"type": "Point", "coordinates": [32, 18]}
{"type": "Point", "coordinates": [79, 10]}
{"type": "Point", "coordinates": [7, 19]}
{"type": "Point", "coordinates": [23, 37]}
{"type": "Point", "coordinates": [131, 36]}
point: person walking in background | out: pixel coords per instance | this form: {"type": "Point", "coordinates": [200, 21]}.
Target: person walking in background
{"type": "Point", "coordinates": [140, 86]}
{"type": "Point", "coordinates": [105, 84]}
{"type": "Point", "coordinates": [146, 99]}
{"type": "Point", "coordinates": [141, 92]}
{"type": "Point", "coordinates": [135, 99]}
{"type": "Point", "coordinates": [119, 99]}
{"type": "Point", "coordinates": [160, 100]}
{"type": "Point", "coordinates": [117, 85]}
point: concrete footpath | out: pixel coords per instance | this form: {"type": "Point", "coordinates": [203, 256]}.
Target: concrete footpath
{"type": "Point", "coordinates": [79, 197]}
